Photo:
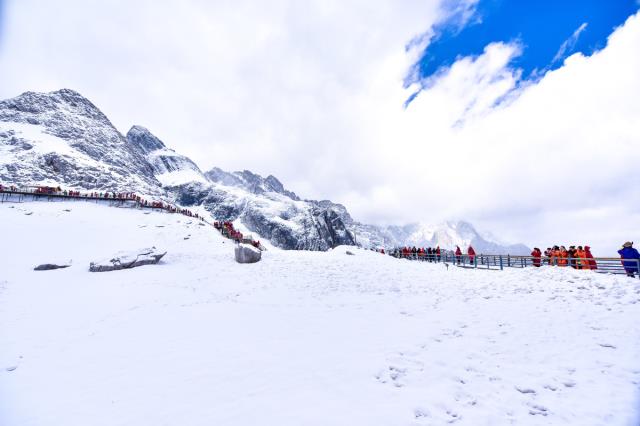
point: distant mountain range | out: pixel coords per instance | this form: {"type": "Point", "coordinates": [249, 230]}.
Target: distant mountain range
{"type": "Point", "coordinates": [61, 138]}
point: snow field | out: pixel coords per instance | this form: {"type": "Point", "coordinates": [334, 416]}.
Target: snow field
{"type": "Point", "coordinates": [300, 337]}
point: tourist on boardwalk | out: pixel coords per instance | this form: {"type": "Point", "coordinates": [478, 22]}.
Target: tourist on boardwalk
{"type": "Point", "coordinates": [472, 254]}
{"type": "Point", "coordinates": [572, 254]}
{"type": "Point", "coordinates": [628, 252]}
{"type": "Point", "coordinates": [555, 254]}
{"type": "Point", "coordinates": [438, 253]}
{"type": "Point", "coordinates": [562, 256]}
{"type": "Point", "coordinates": [582, 262]}
{"type": "Point", "coordinates": [590, 260]}
{"type": "Point", "coordinates": [458, 254]}
{"type": "Point", "coordinates": [536, 254]}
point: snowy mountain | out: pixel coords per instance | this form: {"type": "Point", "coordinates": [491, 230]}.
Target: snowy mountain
{"type": "Point", "coordinates": [61, 138]}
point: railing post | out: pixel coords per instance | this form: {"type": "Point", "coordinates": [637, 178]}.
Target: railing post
{"type": "Point", "coordinates": [509, 260]}
{"type": "Point", "coordinates": [501, 268]}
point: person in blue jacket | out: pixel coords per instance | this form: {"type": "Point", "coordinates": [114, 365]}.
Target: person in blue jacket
{"type": "Point", "coordinates": [628, 252]}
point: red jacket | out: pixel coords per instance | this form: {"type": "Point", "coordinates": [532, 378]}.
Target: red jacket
{"type": "Point", "coordinates": [592, 263]}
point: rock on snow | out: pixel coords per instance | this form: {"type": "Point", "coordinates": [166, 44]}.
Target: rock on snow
{"type": "Point", "coordinates": [245, 253]}
{"type": "Point", "coordinates": [126, 260]}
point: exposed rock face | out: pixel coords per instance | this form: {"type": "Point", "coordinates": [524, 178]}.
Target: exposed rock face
{"type": "Point", "coordinates": [247, 254]}
{"type": "Point", "coordinates": [126, 260]}
{"type": "Point", "coordinates": [170, 168]}
{"type": "Point", "coordinates": [251, 182]}
{"type": "Point", "coordinates": [61, 138]}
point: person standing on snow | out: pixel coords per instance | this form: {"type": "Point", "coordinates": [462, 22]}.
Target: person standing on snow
{"type": "Point", "coordinates": [472, 254]}
{"type": "Point", "coordinates": [458, 254]}
{"type": "Point", "coordinates": [582, 259]}
{"type": "Point", "coordinates": [589, 256]}
{"type": "Point", "coordinates": [536, 254]}
{"type": "Point", "coordinates": [628, 252]}
{"type": "Point", "coordinates": [564, 254]}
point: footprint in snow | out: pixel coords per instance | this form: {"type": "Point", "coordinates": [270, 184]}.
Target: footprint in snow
{"type": "Point", "coordinates": [538, 410]}
{"type": "Point", "coordinates": [607, 345]}
{"type": "Point", "coordinates": [525, 390]}
{"type": "Point", "coordinates": [420, 413]}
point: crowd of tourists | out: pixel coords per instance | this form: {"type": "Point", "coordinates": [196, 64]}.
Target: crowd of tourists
{"type": "Point", "coordinates": [576, 257]}
{"type": "Point", "coordinates": [428, 254]}
{"type": "Point", "coordinates": [433, 254]}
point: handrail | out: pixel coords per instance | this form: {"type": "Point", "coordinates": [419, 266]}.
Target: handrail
{"type": "Point", "coordinates": [611, 265]}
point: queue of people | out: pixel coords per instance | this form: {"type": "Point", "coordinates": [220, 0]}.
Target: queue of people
{"type": "Point", "coordinates": [227, 229]}
{"type": "Point", "coordinates": [429, 254]}
{"type": "Point", "coordinates": [106, 195]}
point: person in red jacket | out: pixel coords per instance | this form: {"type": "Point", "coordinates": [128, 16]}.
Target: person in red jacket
{"type": "Point", "coordinates": [590, 260]}
{"type": "Point", "coordinates": [472, 254]}
{"type": "Point", "coordinates": [536, 254]}
{"type": "Point", "coordinates": [458, 254]}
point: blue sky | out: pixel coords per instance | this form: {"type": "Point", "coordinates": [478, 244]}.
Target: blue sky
{"type": "Point", "coordinates": [540, 27]}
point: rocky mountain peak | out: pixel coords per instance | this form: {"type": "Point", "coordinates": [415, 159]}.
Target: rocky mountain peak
{"type": "Point", "coordinates": [141, 138]}
{"type": "Point", "coordinates": [33, 107]}
{"type": "Point", "coordinates": [250, 181]}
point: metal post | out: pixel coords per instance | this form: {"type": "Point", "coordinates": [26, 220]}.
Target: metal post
{"type": "Point", "coordinates": [501, 268]}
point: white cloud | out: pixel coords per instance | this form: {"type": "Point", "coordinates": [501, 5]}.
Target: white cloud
{"type": "Point", "coordinates": [312, 93]}
{"type": "Point", "coordinates": [569, 44]}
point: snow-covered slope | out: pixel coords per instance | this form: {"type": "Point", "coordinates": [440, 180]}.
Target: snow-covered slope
{"type": "Point", "coordinates": [301, 338]}
{"type": "Point", "coordinates": [61, 138]}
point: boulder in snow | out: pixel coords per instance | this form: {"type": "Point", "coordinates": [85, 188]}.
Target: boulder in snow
{"type": "Point", "coordinates": [247, 254]}
{"type": "Point", "coordinates": [49, 266]}
{"type": "Point", "coordinates": [126, 260]}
